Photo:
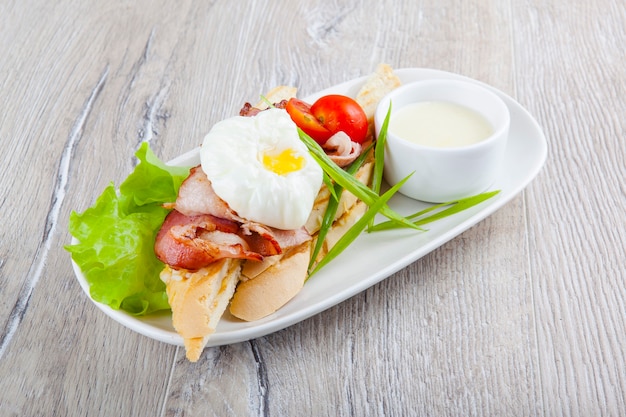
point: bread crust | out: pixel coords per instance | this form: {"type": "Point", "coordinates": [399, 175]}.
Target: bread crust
{"type": "Point", "coordinates": [198, 300]}
{"type": "Point", "coordinates": [377, 85]}
{"type": "Point", "coordinates": [272, 288]}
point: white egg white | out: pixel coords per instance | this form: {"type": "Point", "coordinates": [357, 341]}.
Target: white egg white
{"type": "Point", "coordinates": [231, 157]}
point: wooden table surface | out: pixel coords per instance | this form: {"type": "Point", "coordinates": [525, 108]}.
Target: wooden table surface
{"type": "Point", "coordinates": [524, 314]}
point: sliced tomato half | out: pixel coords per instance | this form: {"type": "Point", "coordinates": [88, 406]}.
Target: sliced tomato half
{"type": "Point", "coordinates": [301, 115]}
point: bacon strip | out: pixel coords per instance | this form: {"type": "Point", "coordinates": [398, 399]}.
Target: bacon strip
{"type": "Point", "coordinates": [194, 242]}
{"type": "Point", "coordinates": [248, 110]}
{"type": "Point", "coordinates": [283, 238]}
{"type": "Point", "coordinates": [197, 197]}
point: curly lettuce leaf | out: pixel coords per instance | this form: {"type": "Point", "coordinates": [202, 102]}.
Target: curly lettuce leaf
{"type": "Point", "coordinates": [116, 237]}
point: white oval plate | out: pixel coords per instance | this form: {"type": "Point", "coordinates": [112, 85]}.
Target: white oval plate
{"type": "Point", "coordinates": [375, 256]}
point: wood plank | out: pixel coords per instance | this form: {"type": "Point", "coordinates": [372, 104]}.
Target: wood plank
{"type": "Point", "coordinates": [569, 67]}
{"type": "Point", "coordinates": [64, 356]}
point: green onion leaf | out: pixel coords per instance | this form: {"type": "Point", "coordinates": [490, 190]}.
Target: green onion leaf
{"type": "Point", "coordinates": [453, 208]}
{"type": "Point", "coordinates": [331, 187]}
{"type": "Point", "coordinates": [379, 154]}
{"type": "Point", "coordinates": [379, 159]}
{"type": "Point", "coordinates": [266, 101]}
{"type": "Point", "coordinates": [326, 224]}
{"type": "Point", "coordinates": [333, 204]}
{"type": "Point", "coordinates": [357, 228]}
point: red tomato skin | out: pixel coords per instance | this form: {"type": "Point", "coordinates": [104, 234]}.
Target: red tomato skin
{"type": "Point", "coordinates": [300, 113]}
{"type": "Point", "coordinates": [339, 113]}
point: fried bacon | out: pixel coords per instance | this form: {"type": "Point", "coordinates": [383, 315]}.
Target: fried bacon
{"type": "Point", "coordinates": [285, 239]}
{"type": "Point", "coordinates": [202, 228]}
{"type": "Point", "coordinates": [194, 242]}
{"type": "Point", "coordinates": [248, 110]}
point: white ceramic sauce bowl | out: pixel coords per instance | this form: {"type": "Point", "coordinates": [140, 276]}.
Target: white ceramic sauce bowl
{"type": "Point", "coordinates": [444, 174]}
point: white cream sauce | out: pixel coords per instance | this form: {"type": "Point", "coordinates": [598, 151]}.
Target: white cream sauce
{"type": "Point", "coordinates": [439, 124]}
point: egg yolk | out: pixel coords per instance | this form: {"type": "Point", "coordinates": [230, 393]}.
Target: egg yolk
{"type": "Point", "coordinates": [284, 163]}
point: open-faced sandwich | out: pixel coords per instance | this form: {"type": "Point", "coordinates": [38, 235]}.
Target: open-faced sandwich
{"type": "Point", "coordinates": [242, 229]}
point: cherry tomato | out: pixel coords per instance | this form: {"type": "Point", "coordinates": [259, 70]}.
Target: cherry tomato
{"type": "Point", "coordinates": [329, 115]}
{"type": "Point", "coordinates": [339, 113]}
{"type": "Point", "coordinates": [300, 113]}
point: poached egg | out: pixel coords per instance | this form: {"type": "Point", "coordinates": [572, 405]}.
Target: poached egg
{"type": "Point", "coordinates": [259, 166]}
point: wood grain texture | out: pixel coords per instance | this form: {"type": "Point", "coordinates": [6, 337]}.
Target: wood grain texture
{"type": "Point", "coordinates": [578, 202]}
{"type": "Point", "coordinates": [522, 315]}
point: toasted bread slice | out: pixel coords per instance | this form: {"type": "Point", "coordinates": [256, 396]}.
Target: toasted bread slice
{"type": "Point", "coordinates": [377, 85]}
{"type": "Point", "coordinates": [198, 300]}
{"type": "Point", "coordinates": [272, 288]}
